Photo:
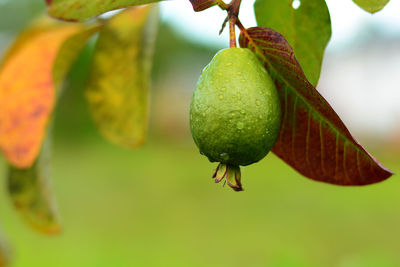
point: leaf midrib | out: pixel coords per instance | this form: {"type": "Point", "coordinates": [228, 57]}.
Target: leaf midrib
{"type": "Point", "coordinates": [310, 107]}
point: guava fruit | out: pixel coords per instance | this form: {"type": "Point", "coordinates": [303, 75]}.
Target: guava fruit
{"type": "Point", "coordinates": [235, 113]}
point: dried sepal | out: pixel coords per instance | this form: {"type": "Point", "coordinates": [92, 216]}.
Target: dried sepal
{"type": "Point", "coordinates": [231, 174]}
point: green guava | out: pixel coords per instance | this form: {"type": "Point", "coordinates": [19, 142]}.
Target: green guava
{"type": "Point", "coordinates": [235, 112]}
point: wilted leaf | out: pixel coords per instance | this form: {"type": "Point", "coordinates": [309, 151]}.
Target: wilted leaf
{"type": "Point", "coordinates": [200, 5]}
{"type": "Point", "coordinates": [313, 139]}
{"type": "Point", "coordinates": [30, 75]}
{"type": "Point", "coordinates": [31, 194]}
{"type": "Point", "coordinates": [118, 91]}
{"type": "Point", "coordinates": [371, 6]}
{"type": "Point", "coordinates": [307, 29]}
{"type": "Point", "coordinates": [76, 10]}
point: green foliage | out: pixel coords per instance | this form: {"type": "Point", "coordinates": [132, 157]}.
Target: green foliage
{"type": "Point", "coordinates": [307, 29]}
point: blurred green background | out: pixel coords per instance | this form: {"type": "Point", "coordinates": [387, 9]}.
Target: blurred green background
{"type": "Point", "coordinates": [158, 206]}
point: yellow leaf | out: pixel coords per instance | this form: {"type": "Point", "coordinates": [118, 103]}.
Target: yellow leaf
{"type": "Point", "coordinates": [30, 75]}
{"type": "Point", "coordinates": [118, 91]}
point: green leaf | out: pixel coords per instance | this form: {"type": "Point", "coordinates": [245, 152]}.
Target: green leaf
{"type": "Point", "coordinates": [118, 90]}
{"type": "Point", "coordinates": [307, 29]}
{"type": "Point", "coordinates": [313, 139]}
{"type": "Point", "coordinates": [371, 6]}
{"type": "Point", "coordinates": [77, 10]}
{"type": "Point", "coordinates": [31, 194]}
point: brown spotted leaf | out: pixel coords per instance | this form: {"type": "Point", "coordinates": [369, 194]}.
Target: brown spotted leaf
{"type": "Point", "coordinates": [118, 90]}
{"type": "Point", "coordinates": [77, 10]}
{"type": "Point", "coordinates": [200, 5]}
{"type": "Point", "coordinates": [31, 194]}
{"type": "Point", "coordinates": [30, 76]}
{"type": "Point", "coordinates": [313, 139]}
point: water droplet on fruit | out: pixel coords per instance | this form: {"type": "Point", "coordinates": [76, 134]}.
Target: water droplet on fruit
{"type": "Point", "coordinates": [296, 4]}
{"type": "Point", "coordinates": [230, 124]}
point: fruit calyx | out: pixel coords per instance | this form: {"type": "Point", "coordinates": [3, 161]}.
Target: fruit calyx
{"type": "Point", "coordinates": [231, 174]}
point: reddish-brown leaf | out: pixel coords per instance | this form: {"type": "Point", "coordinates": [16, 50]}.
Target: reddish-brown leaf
{"type": "Point", "coordinates": [200, 5]}
{"type": "Point", "coordinates": [313, 139]}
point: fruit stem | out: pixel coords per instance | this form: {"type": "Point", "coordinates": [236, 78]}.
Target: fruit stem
{"type": "Point", "coordinates": [232, 34]}
{"type": "Point", "coordinates": [234, 7]}
{"type": "Point", "coordinates": [233, 13]}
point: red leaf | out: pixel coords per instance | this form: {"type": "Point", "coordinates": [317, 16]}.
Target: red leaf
{"type": "Point", "coordinates": [200, 5]}
{"type": "Point", "coordinates": [313, 139]}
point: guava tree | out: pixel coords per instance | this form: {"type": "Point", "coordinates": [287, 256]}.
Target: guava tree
{"type": "Point", "coordinates": [255, 96]}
